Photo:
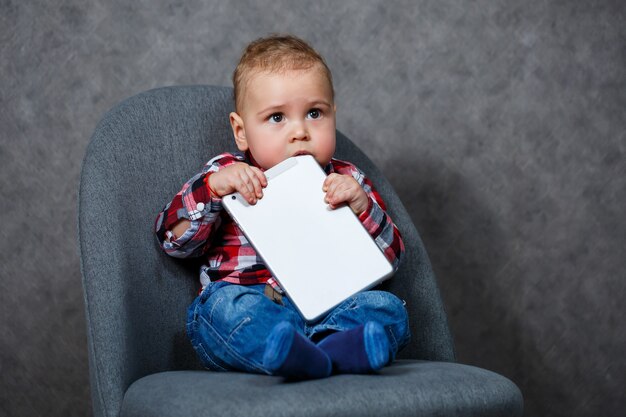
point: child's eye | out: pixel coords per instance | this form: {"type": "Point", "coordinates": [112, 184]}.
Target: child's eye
{"type": "Point", "coordinates": [276, 118]}
{"type": "Point", "coordinates": [314, 114]}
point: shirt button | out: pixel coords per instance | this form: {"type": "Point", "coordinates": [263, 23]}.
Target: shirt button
{"type": "Point", "coordinates": [200, 206]}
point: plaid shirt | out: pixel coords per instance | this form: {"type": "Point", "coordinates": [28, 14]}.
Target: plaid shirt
{"type": "Point", "coordinates": [228, 255]}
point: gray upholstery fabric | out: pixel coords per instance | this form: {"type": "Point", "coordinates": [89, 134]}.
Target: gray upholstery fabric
{"type": "Point", "coordinates": [407, 388]}
{"type": "Point", "coordinates": [135, 296]}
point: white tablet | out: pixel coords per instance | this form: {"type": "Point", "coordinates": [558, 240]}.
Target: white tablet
{"type": "Point", "coordinates": [319, 256]}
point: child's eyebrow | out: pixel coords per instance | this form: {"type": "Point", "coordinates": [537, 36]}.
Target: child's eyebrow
{"type": "Point", "coordinates": [320, 103]}
{"type": "Point", "coordinates": [271, 109]}
{"type": "Point", "coordinates": [278, 107]}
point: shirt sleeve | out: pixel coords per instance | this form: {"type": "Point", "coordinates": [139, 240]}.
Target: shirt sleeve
{"type": "Point", "coordinates": [378, 223]}
{"type": "Point", "coordinates": [194, 203]}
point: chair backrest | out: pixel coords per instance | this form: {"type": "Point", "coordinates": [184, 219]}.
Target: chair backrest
{"type": "Point", "coordinates": [135, 296]}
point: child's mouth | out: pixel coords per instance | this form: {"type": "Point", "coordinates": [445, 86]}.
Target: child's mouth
{"type": "Point", "coordinates": [302, 153]}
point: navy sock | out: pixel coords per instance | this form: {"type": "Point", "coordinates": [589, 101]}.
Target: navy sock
{"type": "Point", "coordinates": [290, 354]}
{"type": "Point", "coordinates": [358, 351]}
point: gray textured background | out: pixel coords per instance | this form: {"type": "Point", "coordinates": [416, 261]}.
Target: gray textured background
{"type": "Point", "coordinates": [502, 126]}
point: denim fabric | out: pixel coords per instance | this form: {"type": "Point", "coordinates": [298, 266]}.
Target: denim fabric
{"type": "Point", "coordinates": [228, 323]}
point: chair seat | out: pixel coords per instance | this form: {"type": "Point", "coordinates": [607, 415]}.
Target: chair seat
{"type": "Point", "coordinates": [433, 388]}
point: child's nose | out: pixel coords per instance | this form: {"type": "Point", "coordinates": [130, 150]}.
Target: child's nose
{"type": "Point", "coordinates": [299, 132]}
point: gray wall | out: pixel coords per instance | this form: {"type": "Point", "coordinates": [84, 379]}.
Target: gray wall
{"type": "Point", "coordinates": [501, 124]}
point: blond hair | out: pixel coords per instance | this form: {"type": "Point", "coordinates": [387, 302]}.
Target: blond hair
{"type": "Point", "coordinates": [276, 53]}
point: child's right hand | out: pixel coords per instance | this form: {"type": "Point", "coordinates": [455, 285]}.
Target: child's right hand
{"type": "Point", "coordinates": [247, 180]}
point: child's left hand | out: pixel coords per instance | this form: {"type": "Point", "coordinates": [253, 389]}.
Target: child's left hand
{"type": "Point", "coordinates": [345, 189]}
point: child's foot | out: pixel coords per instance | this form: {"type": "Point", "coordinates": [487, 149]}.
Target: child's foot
{"type": "Point", "coordinates": [358, 351]}
{"type": "Point", "coordinates": [289, 354]}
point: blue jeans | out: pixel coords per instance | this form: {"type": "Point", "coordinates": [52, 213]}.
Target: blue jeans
{"type": "Point", "coordinates": [228, 323]}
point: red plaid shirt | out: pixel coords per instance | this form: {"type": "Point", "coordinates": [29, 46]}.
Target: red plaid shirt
{"type": "Point", "coordinates": [228, 254]}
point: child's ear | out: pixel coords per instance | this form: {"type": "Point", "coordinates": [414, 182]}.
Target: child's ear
{"type": "Point", "coordinates": [239, 131]}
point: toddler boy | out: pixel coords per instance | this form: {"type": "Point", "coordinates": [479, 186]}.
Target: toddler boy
{"type": "Point", "coordinates": [284, 102]}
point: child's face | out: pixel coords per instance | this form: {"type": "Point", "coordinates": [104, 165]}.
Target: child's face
{"type": "Point", "coordinates": [285, 115]}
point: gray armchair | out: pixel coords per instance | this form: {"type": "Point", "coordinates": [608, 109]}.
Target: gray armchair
{"type": "Point", "coordinates": [136, 297]}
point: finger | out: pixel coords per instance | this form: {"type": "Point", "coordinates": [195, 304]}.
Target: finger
{"type": "Point", "coordinates": [245, 187]}
{"type": "Point", "coordinates": [339, 199]}
{"type": "Point", "coordinates": [341, 194]}
{"type": "Point", "coordinates": [260, 175]}
{"type": "Point", "coordinates": [246, 180]}
{"type": "Point", "coordinates": [330, 179]}
{"type": "Point", "coordinates": [349, 190]}
{"type": "Point", "coordinates": [337, 185]}
{"type": "Point", "coordinates": [256, 183]}
{"type": "Point", "coordinates": [330, 188]}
